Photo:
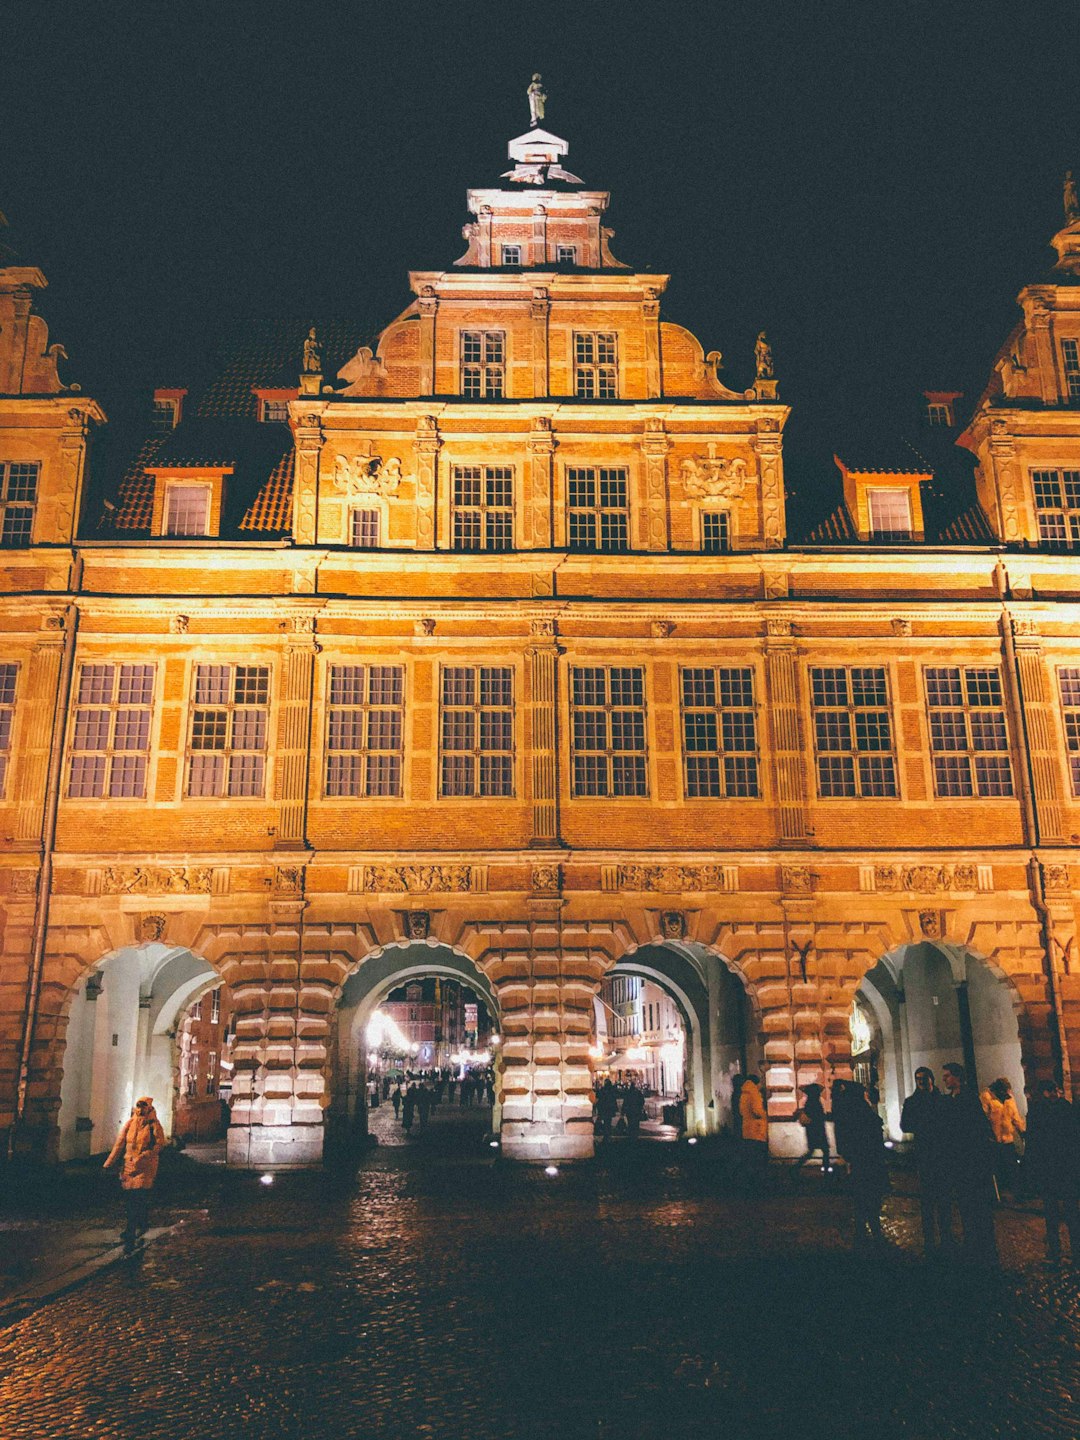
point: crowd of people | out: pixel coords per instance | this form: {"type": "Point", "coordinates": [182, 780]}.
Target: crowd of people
{"type": "Point", "coordinates": [416, 1094]}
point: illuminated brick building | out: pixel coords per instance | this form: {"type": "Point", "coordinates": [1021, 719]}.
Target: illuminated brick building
{"type": "Point", "coordinates": [484, 646]}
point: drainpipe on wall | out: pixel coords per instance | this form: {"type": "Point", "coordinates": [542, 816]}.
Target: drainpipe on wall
{"type": "Point", "coordinates": [1062, 1065]}
{"type": "Point", "coordinates": [48, 840]}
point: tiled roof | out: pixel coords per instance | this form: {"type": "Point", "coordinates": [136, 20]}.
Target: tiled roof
{"type": "Point", "coordinates": [271, 510]}
{"type": "Point", "coordinates": [267, 357]}
{"type": "Point", "coordinates": [883, 457]}
{"type": "Point", "coordinates": [836, 529]}
{"type": "Point", "coordinates": [134, 504]}
{"type": "Point", "coordinates": [969, 528]}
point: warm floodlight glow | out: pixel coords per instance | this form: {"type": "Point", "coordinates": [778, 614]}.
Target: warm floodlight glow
{"type": "Point", "coordinates": [383, 1029]}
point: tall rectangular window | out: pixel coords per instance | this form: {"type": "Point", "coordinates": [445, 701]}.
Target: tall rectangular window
{"type": "Point", "coordinates": [228, 731]}
{"type": "Point", "coordinates": [608, 730]}
{"type": "Point", "coordinates": [890, 514]}
{"type": "Point", "coordinates": [211, 1072]}
{"type": "Point", "coordinates": [9, 675]}
{"type": "Point", "coordinates": [18, 497]}
{"type": "Point", "coordinates": [365, 730]}
{"type": "Point", "coordinates": [477, 730]}
{"type": "Point", "coordinates": [1057, 505]}
{"type": "Point", "coordinates": [1070, 359]}
{"type": "Point", "coordinates": [1069, 684]}
{"type": "Point", "coordinates": [110, 746]}
{"type": "Point", "coordinates": [715, 532]}
{"type": "Point", "coordinates": [597, 509]}
{"type": "Point", "coordinates": [187, 510]}
{"type": "Point", "coordinates": [969, 740]}
{"type": "Point", "coordinates": [483, 364]}
{"type": "Point", "coordinates": [596, 371]}
{"type": "Point", "coordinates": [215, 1007]}
{"type": "Point", "coordinates": [483, 508]}
{"type": "Point", "coordinates": [852, 731]}
{"type": "Point", "coordinates": [719, 735]}
{"type": "Point", "coordinates": [364, 529]}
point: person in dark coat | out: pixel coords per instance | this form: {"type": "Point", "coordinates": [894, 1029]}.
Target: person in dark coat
{"type": "Point", "coordinates": [812, 1118]}
{"type": "Point", "coordinates": [408, 1108]}
{"type": "Point", "coordinates": [967, 1148]}
{"type": "Point", "coordinates": [922, 1118]}
{"type": "Point", "coordinates": [633, 1108]}
{"type": "Point", "coordinates": [607, 1102]}
{"type": "Point", "coordinates": [423, 1104]}
{"type": "Point", "coordinates": [841, 1109]}
{"type": "Point", "coordinates": [1052, 1163]}
{"type": "Point", "coordinates": [395, 1100]}
{"type": "Point", "coordinates": [866, 1156]}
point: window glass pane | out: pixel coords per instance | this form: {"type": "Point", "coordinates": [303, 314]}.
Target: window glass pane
{"type": "Point", "coordinates": [187, 509]}
{"type": "Point", "coordinates": [96, 684]}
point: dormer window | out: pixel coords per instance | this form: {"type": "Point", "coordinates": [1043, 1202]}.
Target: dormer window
{"type": "Point", "coordinates": [274, 411]}
{"type": "Point", "coordinates": [511, 254]}
{"type": "Point", "coordinates": [890, 514]}
{"type": "Point", "coordinates": [187, 500]}
{"type": "Point", "coordinates": [566, 254]}
{"type": "Point", "coordinates": [187, 510]}
{"type": "Point", "coordinates": [939, 415]}
{"type": "Point", "coordinates": [167, 410]}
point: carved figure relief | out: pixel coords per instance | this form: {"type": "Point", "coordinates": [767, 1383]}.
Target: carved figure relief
{"type": "Point", "coordinates": [797, 880]}
{"type": "Point", "coordinates": [713, 477]}
{"type": "Point", "coordinates": [156, 879]}
{"type": "Point", "coordinates": [670, 879]}
{"type": "Point", "coordinates": [405, 879]}
{"type": "Point", "coordinates": [546, 879]}
{"type": "Point", "coordinates": [418, 924]}
{"type": "Point", "coordinates": [672, 924]}
{"type": "Point", "coordinates": [288, 880]}
{"type": "Point", "coordinates": [178, 625]}
{"type": "Point", "coordinates": [926, 879]}
{"type": "Point", "coordinates": [367, 474]}
{"type": "Point", "coordinates": [151, 927]}
{"type": "Point", "coordinates": [930, 924]}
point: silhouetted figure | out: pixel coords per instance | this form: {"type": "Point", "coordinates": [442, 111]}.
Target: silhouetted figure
{"type": "Point", "coordinates": [842, 1099]}
{"type": "Point", "coordinates": [633, 1108]}
{"type": "Point", "coordinates": [968, 1152]}
{"type": "Point", "coordinates": [423, 1104]}
{"type": "Point", "coordinates": [755, 1132]}
{"type": "Point", "coordinates": [812, 1118]}
{"type": "Point", "coordinates": [408, 1108]}
{"type": "Point", "coordinates": [922, 1118]}
{"type": "Point", "coordinates": [866, 1156]}
{"type": "Point", "coordinates": [1052, 1162]}
{"type": "Point", "coordinates": [607, 1103]}
{"type": "Point", "coordinates": [395, 1100]}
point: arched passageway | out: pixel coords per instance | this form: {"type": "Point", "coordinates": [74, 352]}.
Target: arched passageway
{"type": "Point", "coordinates": [928, 1004]}
{"type": "Point", "coordinates": [436, 1018]}
{"type": "Point", "coordinates": [121, 1041]}
{"type": "Point", "coordinates": [676, 1015]}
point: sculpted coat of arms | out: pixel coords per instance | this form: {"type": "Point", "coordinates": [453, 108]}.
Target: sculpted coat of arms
{"type": "Point", "coordinates": [367, 474]}
{"type": "Point", "coordinates": [712, 476]}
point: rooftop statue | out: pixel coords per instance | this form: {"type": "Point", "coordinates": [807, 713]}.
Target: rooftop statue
{"type": "Point", "coordinates": [537, 100]}
{"type": "Point", "coordinates": [763, 358]}
{"type": "Point", "coordinates": [312, 354]}
{"type": "Point", "coordinates": [1072, 203]}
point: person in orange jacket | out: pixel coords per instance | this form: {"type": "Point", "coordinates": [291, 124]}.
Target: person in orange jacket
{"type": "Point", "coordinates": [755, 1130]}
{"type": "Point", "coordinates": [140, 1143]}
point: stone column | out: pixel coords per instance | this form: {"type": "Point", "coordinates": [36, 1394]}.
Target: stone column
{"type": "Point", "coordinates": [542, 700]}
{"type": "Point", "coordinates": [789, 760]}
{"type": "Point", "coordinates": [537, 507]}
{"type": "Point", "coordinates": [1037, 722]}
{"type": "Point", "coordinates": [650, 316]}
{"type": "Point", "coordinates": [428, 445]}
{"type": "Point", "coordinates": [38, 701]}
{"type": "Point", "coordinates": [592, 242]}
{"type": "Point", "coordinates": [485, 235]}
{"type": "Point", "coordinates": [768, 447]}
{"type": "Point", "coordinates": [539, 314]}
{"type": "Point", "coordinates": [309, 439]}
{"type": "Point", "coordinates": [428, 304]}
{"type": "Point", "coordinates": [539, 236]}
{"type": "Point", "coordinates": [655, 446]}
{"type": "Point", "coordinates": [545, 978]}
{"type": "Point", "coordinates": [294, 733]}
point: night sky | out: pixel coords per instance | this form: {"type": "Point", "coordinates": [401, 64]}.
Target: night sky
{"type": "Point", "coordinates": [870, 183]}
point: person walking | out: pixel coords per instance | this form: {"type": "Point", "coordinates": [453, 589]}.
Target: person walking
{"type": "Point", "coordinates": [967, 1147]}
{"type": "Point", "coordinates": [866, 1157]}
{"type": "Point", "coordinates": [1052, 1161]}
{"type": "Point", "coordinates": [139, 1143]}
{"type": "Point", "coordinates": [812, 1118]}
{"type": "Point", "coordinates": [423, 1104]}
{"type": "Point", "coordinates": [755, 1132]}
{"type": "Point", "coordinates": [921, 1117]}
{"type": "Point", "coordinates": [395, 1100]}
{"type": "Point", "coordinates": [607, 1103]}
{"type": "Point", "coordinates": [633, 1108]}
{"type": "Point", "coordinates": [1007, 1123]}
{"type": "Point", "coordinates": [408, 1108]}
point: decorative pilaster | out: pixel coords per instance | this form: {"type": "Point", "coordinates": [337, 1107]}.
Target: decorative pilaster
{"type": "Point", "coordinates": [650, 315]}
{"type": "Point", "coordinates": [543, 657]}
{"type": "Point", "coordinates": [294, 732]}
{"type": "Point", "coordinates": [539, 313]}
{"type": "Point", "coordinates": [539, 236]}
{"type": "Point", "coordinates": [428, 444]}
{"type": "Point", "coordinates": [39, 702]}
{"type": "Point", "coordinates": [1039, 320]}
{"type": "Point", "coordinates": [73, 445]}
{"type": "Point", "coordinates": [484, 236]}
{"type": "Point", "coordinates": [1038, 720]}
{"type": "Point", "coordinates": [309, 439]}
{"type": "Point", "coordinates": [428, 305]}
{"type": "Point", "coordinates": [536, 512]}
{"type": "Point", "coordinates": [787, 748]}
{"type": "Point", "coordinates": [655, 446]}
{"type": "Point", "coordinates": [768, 447]}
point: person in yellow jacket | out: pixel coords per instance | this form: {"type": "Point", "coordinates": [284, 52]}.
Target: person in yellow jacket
{"type": "Point", "coordinates": [1007, 1123]}
{"type": "Point", "coordinates": [755, 1130]}
{"type": "Point", "coordinates": [140, 1143]}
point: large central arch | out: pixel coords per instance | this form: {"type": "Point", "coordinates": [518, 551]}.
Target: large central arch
{"type": "Point", "coordinates": [380, 972]}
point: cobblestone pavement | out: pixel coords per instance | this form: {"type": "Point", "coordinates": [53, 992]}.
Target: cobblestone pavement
{"type": "Point", "coordinates": [434, 1290]}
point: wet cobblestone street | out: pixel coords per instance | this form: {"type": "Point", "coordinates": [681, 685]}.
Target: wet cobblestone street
{"type": "Point", "coordinates": [434, 1291]}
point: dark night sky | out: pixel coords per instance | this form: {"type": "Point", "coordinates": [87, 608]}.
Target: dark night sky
{"type": "Point", "coordinates": [871, 183]}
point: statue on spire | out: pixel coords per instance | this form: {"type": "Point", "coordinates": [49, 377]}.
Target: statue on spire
{"type": "Point", "coordinates": [537, 100]}
{"type": "Point", "coordinates": [1072, 203]}
{"type": "Point", "coordinates": [312, 354]}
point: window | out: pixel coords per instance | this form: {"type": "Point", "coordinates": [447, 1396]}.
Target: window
{"type": "Point", "coordinates": [191, 1086]}
{"type": "Point", "coordinates": [566, 254]}
{"type": "Point", "coordinates": [477, 730]}
{"type": "Point", "coordinates": [939, 414]}
{"type": "Point", "coordinates": [364, 529]}
{"type": "Point", "coordinates": [228, 731]}
{"type": "Point", "coordinates": [18, 494]}
{"type": "Point", "coordinates": [211, 1072]}
{"type": "Point", "coordinates": [596, 375]}
{"type": "Point", "coordinates": [719, 736]}
{"type": "Point", "coordinates": [187, 510]}
{"type": "Point", "coordinates": [968, 738]}
{"type": "Point", "coordinates": [483, 364]}
{"type": "Point", "coordinates": [852, 732]}
{"type": "Point", "coordinates": [608, 728]}
{"type": "Point", "coordinates": [511, 254]}
{"type": "Point", "coordinates": [715, 532]}
{"type": "Point", "coordinates": [111, 742]}
{"type": "Point", "coordinates": [366, 724]}
{"type": "Point", "coordinates": [599, 517]}
{"type": "Point", "coordinates": [483, 507]}
{"type": "Point", "coordinates": [890, 514]}
{"type": "Point", "coordinates": [272, 411]}
{"type": "Point", "coordinates": [164, 415]}
{"type": "Point", "coordinates": [215, 1007]}
{"type": "Point", "coordinates": [1069, 683]}
{"type": "Point", "coordinates": [1057, 505]}
{"type": "Point", "coordinates": [1070, 357]}
{"type": "Point", "coordinates": [9, 674]}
